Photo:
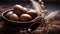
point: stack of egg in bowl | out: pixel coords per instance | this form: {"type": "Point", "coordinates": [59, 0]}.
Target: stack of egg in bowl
{"type": "Point", "coordinates": [20, 16]}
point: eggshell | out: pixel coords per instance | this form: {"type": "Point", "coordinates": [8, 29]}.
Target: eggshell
{"type": "Point", "coordinates": [33, 13]}
{"type": "Point", "coordinates": [25, 17]}
{"type": "Point", "coordinates": [14, 17]}
{"type": "Point", "coordinates": [19, 9]}
{"type": "Point", "coordinates": [9, 13]}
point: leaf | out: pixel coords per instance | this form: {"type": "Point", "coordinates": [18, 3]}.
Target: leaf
{"type": "Point", "coordinates": [51, 15]}
{"type": "Point", "coordinates": [37, 6]}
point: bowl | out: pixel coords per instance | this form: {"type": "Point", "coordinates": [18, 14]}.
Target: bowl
{"type": "Point", "coordinates": [13, 24]}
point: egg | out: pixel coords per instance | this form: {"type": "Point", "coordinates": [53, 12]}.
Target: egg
{"type": "Point", "coordinates": [33, 13]}
{"type": "Point", "coordinates": [25, 17]}
{"type": "Point", "coordinates": [14, 17]}
{"type": "Point", "coordinates": [9, 13]}
{"type": "Point", "coordinates": [25, 9]}
{"type": "Point", "coordinates": [19, 9]}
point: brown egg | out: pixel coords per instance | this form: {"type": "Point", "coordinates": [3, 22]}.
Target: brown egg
{"type": "Point", "coordinates": [14, 17]}
{"type": "Point", "coordinates": [33, 13]}
{"type": "Point", "coordinates": [25, 17]}
{"type": "Point", "coordinates": [9, 13]}
{"type": "Point", "coordinates": [19, 9]}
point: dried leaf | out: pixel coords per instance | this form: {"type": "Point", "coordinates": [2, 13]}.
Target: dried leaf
{"type": "Point", "coordinates": [40, 0]}
{"type": "Point", "coordinates": [51, 15]}
{"type": "Point", "coordinates": [37, 6]}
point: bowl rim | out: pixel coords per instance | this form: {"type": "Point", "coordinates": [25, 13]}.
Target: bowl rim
{"type": "Point", "coordinates": [12, 20]}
